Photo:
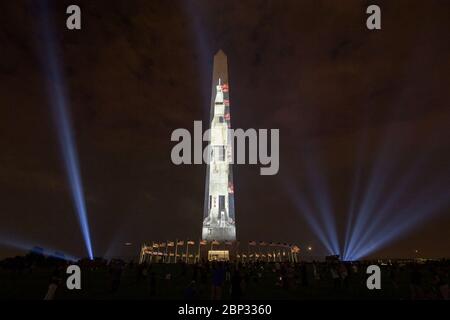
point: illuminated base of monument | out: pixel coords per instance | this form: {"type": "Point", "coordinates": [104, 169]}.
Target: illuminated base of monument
{"type": "Point", "coordinates": [189, 251]}
{"type": "Point", "coordinates": [227, 232]}
{"type": "Point", "coordinates": [218, 255]}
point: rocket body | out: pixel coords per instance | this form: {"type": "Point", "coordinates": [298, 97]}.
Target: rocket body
{"type": "Point", "coordinates": [218, 221]}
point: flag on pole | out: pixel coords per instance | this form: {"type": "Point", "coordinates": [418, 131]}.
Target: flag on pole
{"type": "Point", "coordinates": [180, 243]}
{"type": "Point", "coordinates": [225, 87]}
{"type": "Point", "coordinates": [203, 242]}
{"type": "Point", "coordinates": [215, 242]}
{"type": "Point", "coordinates": [190, 242]}
{"type": "Point", "coordinates": [170, 244]}
{"type": "Point", "coordinates": [155, 245]}
{"type": "Point", "coordinates": [162, 245]}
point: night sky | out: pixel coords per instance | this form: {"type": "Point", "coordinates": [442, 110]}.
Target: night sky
{"type": "Point", "coordinates": [140, 69]}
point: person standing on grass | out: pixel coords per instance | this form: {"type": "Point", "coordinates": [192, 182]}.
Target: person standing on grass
{"type": "Point", "coordinates": [190, 292]}
{"type": "Point", "coordinates": [343, 273]}
{"type": "Point", "coordinates": [116, 277]}
{"type": "Point", "coordinates": [218, 275]}
{"type": "Point", "coordinates": [195, 272]}
{"type": "Point", "coordinates": [416, 284]}
{"type": "Point", "coordinates": [152, 283]}
{"type": "Point", "coordinates": [55, 281]}
{"type": "Point", "coordinates": [316, 276]}
{"type": "Point", "coordinates": [335, 276]}
{"type": "Point", "coordinates": [236, 285]}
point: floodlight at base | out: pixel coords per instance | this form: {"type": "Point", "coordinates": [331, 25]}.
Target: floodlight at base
{"type": "Point", "coordinates": [218, 255]}
{"type": "Point", "coordinates": [224, 233]}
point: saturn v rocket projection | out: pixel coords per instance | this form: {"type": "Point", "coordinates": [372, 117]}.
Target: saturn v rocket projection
{"type": "Point", "coordinates": [218, 219]}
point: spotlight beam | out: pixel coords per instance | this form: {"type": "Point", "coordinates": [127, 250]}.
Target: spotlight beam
{"type": "Point", "coordinates": [400, 189]}
{"type": "Point", "coordinates": [379, 173]}
{"type": "Point", "coordinates": [408, 218]}
{"type": "Point", "coordinates": [393, 198]}
{"type": "Point", "coordinates": [303, 206]}
{"type": "Point", "coordinates": [21, 245]}
{"type": "Point", "coordinates": [201, 35]}
{"type": "Point", "coordinates": [355, 193]}
{"type": "Point", "coordinates": [322, 200]}
{"type": "Point", "coordinates": [59, 104]}
{"type": "Point", "coordinates": [313, 223]}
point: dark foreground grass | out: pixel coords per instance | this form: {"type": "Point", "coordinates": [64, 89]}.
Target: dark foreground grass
{"type": "Point", "coordinates": [96, 284]}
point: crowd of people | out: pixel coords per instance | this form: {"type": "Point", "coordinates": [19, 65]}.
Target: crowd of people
{"type": "Point", "coordinates": [252, 280]}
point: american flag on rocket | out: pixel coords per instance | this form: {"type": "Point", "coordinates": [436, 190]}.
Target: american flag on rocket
{"type": "Point", "coordinates": [225, 87]}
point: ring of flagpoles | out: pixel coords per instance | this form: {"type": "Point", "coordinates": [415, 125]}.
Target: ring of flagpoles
{"type": "Point", "coordinates": [190, 251]}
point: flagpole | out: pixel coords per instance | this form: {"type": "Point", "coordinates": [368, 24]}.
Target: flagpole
{"type": "Point", "coordinates": [176, 250]}
{"type": "Point", "coordinates": [187, 250]}
{"type": "Point", "coordinates": [151, 256]}
{"type": "Point", "coordinates": [198, 254]}
{"type": "Point", "coordinates": [259, 250]}
{"type": "Point", "coordinates": [142, 254]}
{"type": "Point", "coordinates": [165, 256]}
{"type": "Point", "coordinates": [248, 250]}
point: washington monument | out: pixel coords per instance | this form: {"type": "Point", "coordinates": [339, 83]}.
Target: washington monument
{"type": "Point", "coordinates": [218, 219]}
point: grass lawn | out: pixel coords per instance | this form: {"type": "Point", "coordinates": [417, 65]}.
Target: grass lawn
{"type": "Point", "coordinates": [96, 284]}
